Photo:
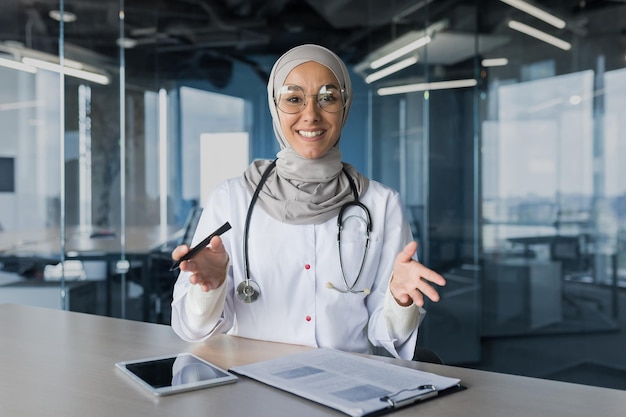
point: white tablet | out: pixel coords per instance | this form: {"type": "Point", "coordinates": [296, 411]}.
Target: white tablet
{"type": "Point", "coordinates": [171, 374]}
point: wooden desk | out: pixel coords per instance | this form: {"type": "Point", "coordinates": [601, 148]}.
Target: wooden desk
{"type": "Point", "coordinates": [58, 363]}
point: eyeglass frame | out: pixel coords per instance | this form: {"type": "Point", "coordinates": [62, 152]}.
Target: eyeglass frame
{"type": "Point", "coordinates": [342, 91]}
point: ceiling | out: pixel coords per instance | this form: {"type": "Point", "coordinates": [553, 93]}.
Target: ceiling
{"type": "Point", "coordinates": [203, 38]}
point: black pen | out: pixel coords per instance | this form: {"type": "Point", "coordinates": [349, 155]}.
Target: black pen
{"type": "Point", "coordinates": [225, 227]}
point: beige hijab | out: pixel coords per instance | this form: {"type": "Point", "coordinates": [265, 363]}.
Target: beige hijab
{"type": "Point", "coordinates": [301, 190]}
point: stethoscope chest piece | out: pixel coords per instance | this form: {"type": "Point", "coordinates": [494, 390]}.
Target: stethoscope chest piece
{"type": "Point", "coordinates": [248, 291]}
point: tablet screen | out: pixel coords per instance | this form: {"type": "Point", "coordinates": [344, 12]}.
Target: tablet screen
{"type": "Point", "coordinates": [175, 373]}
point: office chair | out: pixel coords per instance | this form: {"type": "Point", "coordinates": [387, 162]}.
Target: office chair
{"type": "Point", "coordinates": [190, 224]}
{"type": "Point", "coordinates": [160, 262]}
{"type": "Point", "coordinates": [426, 355]}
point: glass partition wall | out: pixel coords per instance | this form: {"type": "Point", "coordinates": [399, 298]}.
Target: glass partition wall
{"type": "Point", "coordinates": [426, 145]}
{"type": "Point", "coordinates": [503, 138]}
{"type": "Point", "coordinates": [505, 144]}
{"type": "Point", "coordinates": [101, 172]}
{"type": "Point", "coordinates": [86, 174]}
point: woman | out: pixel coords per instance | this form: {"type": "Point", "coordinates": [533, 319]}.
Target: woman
{"type": "Point", "coordinates": [364, 294]}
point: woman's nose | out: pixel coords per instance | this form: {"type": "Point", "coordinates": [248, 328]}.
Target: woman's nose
{"type": "Point", "coordinates": [311, 109]}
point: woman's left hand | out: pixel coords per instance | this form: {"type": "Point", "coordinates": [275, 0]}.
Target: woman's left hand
{"type": "Point", "coordinates": [411, 280]}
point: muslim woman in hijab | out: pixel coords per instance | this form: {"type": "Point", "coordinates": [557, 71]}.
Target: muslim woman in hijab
{"type": "Point", "coordinates": [318, 254]}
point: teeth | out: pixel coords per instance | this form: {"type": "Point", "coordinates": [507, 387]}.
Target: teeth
{"type": "Point", "coordinates": [310, 134]}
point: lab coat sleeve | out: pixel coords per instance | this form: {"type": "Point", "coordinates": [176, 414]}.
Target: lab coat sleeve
{"type": "Point", "coordinates": [396, 235]}
{"type": "Point", "coordinates": [203, 311]}
{"type": "Point", "coordinates": [401, 321]}
{"type": "Point", "coordinates": [197, 315]}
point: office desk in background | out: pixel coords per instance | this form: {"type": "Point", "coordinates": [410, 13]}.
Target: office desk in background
{"type": "Point", "coordinates": [91, 246]}
{"type": "Point", "coordinates": [61, 364]}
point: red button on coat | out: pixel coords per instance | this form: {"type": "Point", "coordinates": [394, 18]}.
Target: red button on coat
{"type": "Point", "coordinates": [308, 318]}
{"type": "Point", "coordinates": [307, 266]}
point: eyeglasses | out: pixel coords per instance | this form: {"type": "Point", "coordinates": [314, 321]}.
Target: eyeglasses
{"type": "Point", "coordinates": [292, 99]}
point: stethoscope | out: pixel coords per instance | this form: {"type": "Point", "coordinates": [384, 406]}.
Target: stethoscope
{"type": "Point", "coordinates": [248, 290]}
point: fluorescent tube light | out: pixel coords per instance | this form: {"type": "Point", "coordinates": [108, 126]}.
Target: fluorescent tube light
{"type": "Point", "coordinates": [72, 72]}
{"type": "Point", "coordinates": [72, 64]}
{"type": "Point", "coordinates": [68, 17]}
{"type": "Point", "coordinates": [440, 85]}
{"type": "Point", "coordinates": [536, 12]}
{"type": "Point", "coordinates": [20, 105]}
{"type": "Point", "coordinates": [399, 48]}
{"type": "Point", "coordinates": [126, 43]}
{"type": "Point", "coordinates": [494, 62]}
{"type": "Point", "coordinates": [542, 36]}
{"type": "Point", "coordinates": [397, 18]}
{"type": "Point", "coordinates": [410, 47]}
{"type": "Point", "coordinates": [390, 69]}
{"type": "Point", "coordinates": [8, 63]}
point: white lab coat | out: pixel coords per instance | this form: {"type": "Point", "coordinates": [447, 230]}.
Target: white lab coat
{"type": "Point", "coordinates": [292, 265]}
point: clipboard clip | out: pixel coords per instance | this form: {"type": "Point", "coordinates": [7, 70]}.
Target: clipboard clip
{"type": "Point", "coordinates": [425, 392]}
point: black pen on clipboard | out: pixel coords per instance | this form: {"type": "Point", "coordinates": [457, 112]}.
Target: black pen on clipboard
{"type": "Point", "coordinates": [194, 251]}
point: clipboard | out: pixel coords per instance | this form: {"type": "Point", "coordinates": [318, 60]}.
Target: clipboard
{"type": "Point", "coordinates": [356, 385]}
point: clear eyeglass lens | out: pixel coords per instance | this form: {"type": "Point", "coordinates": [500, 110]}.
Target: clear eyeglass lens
{"type": "Point", "coordinates": [292, 99]}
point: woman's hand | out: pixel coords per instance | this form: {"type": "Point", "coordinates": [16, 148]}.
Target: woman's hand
{"type": "Point", "coordinates": [411, 280]}
{"type": "Point", "coordinates": [208, 267]}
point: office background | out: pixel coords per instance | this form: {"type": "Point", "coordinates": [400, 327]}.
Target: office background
{"type": "Point", "coordinates": [506, 149]}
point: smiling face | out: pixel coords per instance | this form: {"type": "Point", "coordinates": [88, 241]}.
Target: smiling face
{"type": "Point", "coordinates": [312, 131]}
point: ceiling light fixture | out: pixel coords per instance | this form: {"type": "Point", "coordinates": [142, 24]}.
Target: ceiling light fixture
{"type": "Point", "coordinates": [494, 62]}
{"type": "Point", "coordinates": [536, 12]}
{"type": "Point", "coordinates": [126, 43]}
{"type": "Point", "coordinates": [72, 72]}
{"type": "Point", "coordinates": [68, 17]}
{"type": "Point", "coordinates": [399, 47]}
{"type": "Point", "coordinates": [27, 59]}
{"type": "Point", "coordinates": [537, 34]}
{"type": "Point", "coordinates": [399, 17]}
{"type": "Point", "coordinates": [400, 52]}
{"type": "Point", "coordinates": [20, 105]}
{"type": "Point", "coordinates": [375, 76]}
{"type": "Point", "coordinates": [8, 63]}
{"type": "Point", "coordinates": [440, 85]}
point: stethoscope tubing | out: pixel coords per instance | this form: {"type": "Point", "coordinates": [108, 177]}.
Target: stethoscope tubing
{"type": "Point", "coordinates": [368, 223]}
{"type": "Point", "coordinates": [248, 290]}
{"type": "Point", "coordinates": [246, 230]}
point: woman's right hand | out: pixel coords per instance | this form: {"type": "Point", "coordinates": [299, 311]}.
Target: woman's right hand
{"type": "Point", "coordinates": [208, 267]}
